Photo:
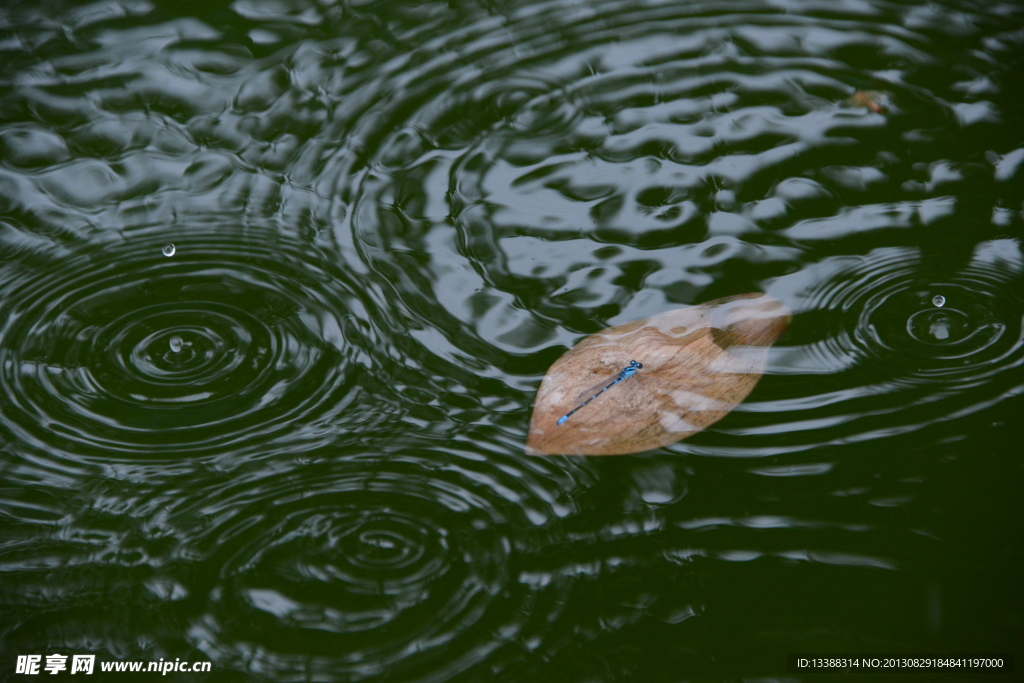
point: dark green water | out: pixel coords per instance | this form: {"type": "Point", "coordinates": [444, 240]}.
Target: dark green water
{"type": "Point", "coordinates": [279, 279]}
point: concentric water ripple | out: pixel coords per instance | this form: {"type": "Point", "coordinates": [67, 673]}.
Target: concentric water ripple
{"type": "Point", "coordinates": [233, 340]}
{"type": "Point", "coordinates": [924, 349]}
{"type": "Point", "coordinates": [359, 566]}
{"type": "Point", "coordinates": [459, 192]}
{"type": "Point", "coordinates": [526, 192]}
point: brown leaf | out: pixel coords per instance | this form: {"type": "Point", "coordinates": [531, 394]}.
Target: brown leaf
{"type": "Point", "coordinates": [867, 98]}
{"type": "Point", "coordinates": [698, 363]}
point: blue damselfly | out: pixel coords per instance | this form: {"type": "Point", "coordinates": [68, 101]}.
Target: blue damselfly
{"type": "Point", "coordinates": [624, 374]}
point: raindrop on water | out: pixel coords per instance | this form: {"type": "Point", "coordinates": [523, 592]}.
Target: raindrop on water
{"type": "Point", "coordinates": [177, 344]}
{"type": "Point", "coordinates": [169, 250]}
{"type": "Point", "coordinates": [939, 301]}
{"type": "Point", "coordinates": [932, 326]}
{"type": "Point", "coordinates": [940, 329]}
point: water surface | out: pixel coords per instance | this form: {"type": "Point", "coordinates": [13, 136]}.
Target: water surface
{"type": "Point", "coordinates": [279, 280]}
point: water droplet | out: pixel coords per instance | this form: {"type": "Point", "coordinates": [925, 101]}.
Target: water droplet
{"type": "Point", "coordinates": [940, 329]}
{"type": "Point", "coordinates": [938, 301]}
{"type": "Point", "coordinates": [169, 250]}
{"type": "Point", "coordinates": [725, 200]}
{"type": "Point", "coordinates": [177, 344]}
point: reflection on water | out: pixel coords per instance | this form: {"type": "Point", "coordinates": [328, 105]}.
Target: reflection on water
{"type": "Point", "coordinates": [280, 280]}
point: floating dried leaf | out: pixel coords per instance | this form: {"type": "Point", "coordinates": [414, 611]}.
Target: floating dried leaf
{"type": "Point", "coordinates": [868, 98]}
{"type": "Point", "coordinates": [654, 381]}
